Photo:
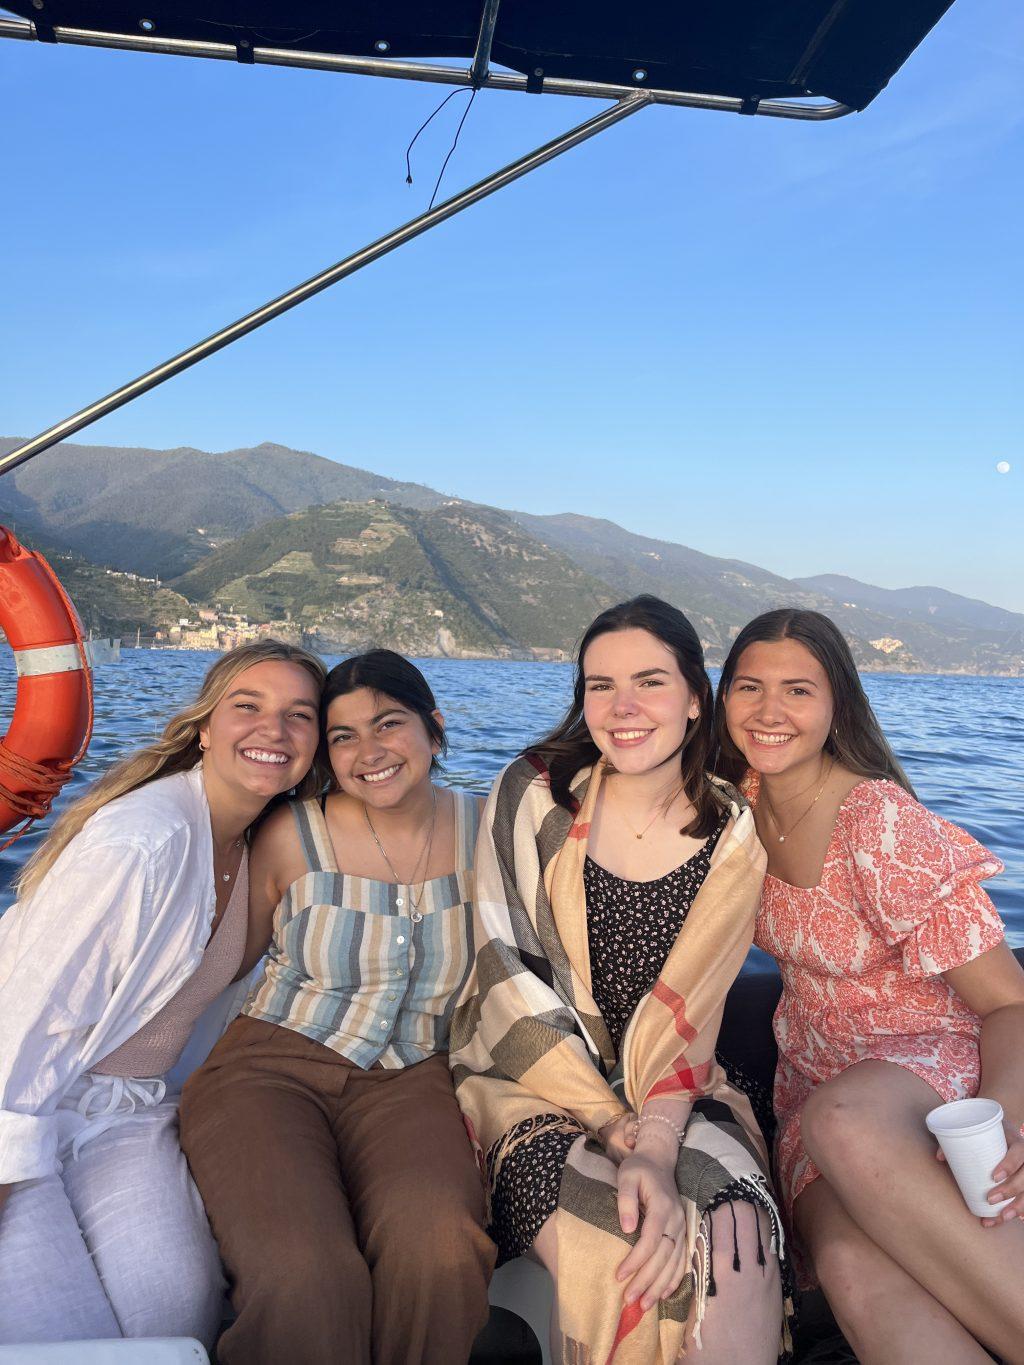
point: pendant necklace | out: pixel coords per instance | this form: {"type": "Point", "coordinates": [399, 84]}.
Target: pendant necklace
{"type": "Point", "coordinates": [771, 813]}
{"type": "Point", "coordinates": [226, 876]}
{"type": "Point", "coordinates": [662, 811]}
{"type": "Point", "coordinates": [424, 858]}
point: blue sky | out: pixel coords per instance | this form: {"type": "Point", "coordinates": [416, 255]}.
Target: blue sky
{"type": "Point", "coordinates": [792, 343]}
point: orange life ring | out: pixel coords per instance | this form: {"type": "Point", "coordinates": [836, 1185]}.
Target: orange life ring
{"type": "Point", "coordinates": [52, 721]}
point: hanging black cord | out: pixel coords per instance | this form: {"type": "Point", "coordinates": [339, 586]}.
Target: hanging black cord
{"type": "Point", "coordinates": [458, 133]}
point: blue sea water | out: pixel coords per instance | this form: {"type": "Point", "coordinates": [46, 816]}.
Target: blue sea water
{"type": "Point", "coordinates": [959, 738]}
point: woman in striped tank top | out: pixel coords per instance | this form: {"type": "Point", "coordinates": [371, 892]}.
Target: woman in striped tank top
{"type": "Point", "coordinates": [323, 1131]}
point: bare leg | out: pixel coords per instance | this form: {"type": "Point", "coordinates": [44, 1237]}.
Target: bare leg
{"type": "Point", "coordinates": [743, 1320]}
{"type": "Point", "coordinates": [865, 1131]}
{"type": "Point", "coordinates": [885, 1315]}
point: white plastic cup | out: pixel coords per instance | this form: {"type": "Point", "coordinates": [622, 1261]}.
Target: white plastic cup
{"type": "Point", "coordinates": [970, 1133]}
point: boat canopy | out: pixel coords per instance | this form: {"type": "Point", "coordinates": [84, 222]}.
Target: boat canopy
{"type": "Point", "coordinates": [844, 51]}
{"type": "Point", "coordinates": [796, 59]}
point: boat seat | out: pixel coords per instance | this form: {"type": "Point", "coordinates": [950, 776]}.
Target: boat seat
{"type": "Point", "coordinates": [151, 1351]}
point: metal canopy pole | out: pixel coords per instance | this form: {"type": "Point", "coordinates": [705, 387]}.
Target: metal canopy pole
{"type": "Point", "coordinates": [396, 69]}
{"type": "Point", "coordinates": [482, 57]}
{"type": "Point", "coordinates": [414, 228]}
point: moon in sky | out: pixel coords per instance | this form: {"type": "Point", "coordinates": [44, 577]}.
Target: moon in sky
{"type": "Point", "coordinates": [1003, 467]}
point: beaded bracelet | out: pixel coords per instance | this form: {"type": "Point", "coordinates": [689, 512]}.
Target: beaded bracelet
{"type": "Point", "coordinates": [658, 1118]}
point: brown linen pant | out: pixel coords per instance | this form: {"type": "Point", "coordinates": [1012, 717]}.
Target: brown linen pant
{"type": "Point", "coordinates": [347, 1205]}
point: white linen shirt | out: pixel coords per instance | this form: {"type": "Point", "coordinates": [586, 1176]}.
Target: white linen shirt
{"type": "Point", "coordinates": [116, 926]}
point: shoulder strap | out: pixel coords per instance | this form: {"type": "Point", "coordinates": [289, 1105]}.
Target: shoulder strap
{"type": "Point", "coordinates": [311, 821]}
{"type": "Point", "coordinates": [467, 823]}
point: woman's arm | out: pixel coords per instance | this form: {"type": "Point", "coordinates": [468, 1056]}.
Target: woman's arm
{"type": "Point", "coordinates": [275, 861]}
{"type": "Point", "coordinates": [993, 986]}
{"type": "Point", "coordinates": [647, 1185]}
{"type": "Point", "coordinates": [64, 953]}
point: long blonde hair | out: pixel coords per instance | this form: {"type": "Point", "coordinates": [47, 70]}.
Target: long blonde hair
{"type": "Point", "coordinates": [175, 751]}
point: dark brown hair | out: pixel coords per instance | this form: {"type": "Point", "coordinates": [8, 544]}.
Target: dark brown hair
{"type": "Point", "coordinates": [569, 747]}
{"type": "Point", "coordinates": [389, 675]}
{"type": "Point", "coordinates": [855, 738]}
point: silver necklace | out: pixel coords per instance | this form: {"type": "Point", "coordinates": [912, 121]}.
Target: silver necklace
{"type": "Point", "coordinates": [424, 858]}
{"type": "Point", "coordinates": [226, 876]}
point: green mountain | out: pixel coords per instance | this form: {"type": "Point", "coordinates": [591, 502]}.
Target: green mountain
{"type": "Point", "coordinates": [156, 512]}
{"type": "Point", "coordinates": [505, 582]}
{"type": "Point", "coordinates": [934, 605]}
{"type": "Point", "coordinates": [719, 595]}
{"type": "Point", "coordinates": [942, 633]}
{"type": "Point", "coordinates": [456, 579]}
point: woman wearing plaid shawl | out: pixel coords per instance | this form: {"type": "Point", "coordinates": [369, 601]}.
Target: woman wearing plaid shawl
{"type": "Point", "coordinates": [616, 891]}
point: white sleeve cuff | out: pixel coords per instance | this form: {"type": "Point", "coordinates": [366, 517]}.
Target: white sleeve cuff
{"type": "Point", "coordinates": [28, 1146]}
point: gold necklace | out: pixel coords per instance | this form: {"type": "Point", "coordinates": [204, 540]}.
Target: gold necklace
{"type": "Point", "coordinates": [771, 813]}
{"type": "Point", "coordinates": [664, 810]}
{"type": "Point", "coordinates": [424, 857]}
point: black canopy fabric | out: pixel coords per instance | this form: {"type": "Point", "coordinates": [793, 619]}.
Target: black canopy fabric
{"type": "Point", "coordinates": [845, 50]}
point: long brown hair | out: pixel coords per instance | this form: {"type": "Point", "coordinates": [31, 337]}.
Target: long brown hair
{"type": "Point", "coordinates": [569, 747]}
{"type": "Point", "coordinates": [175, 751]}
{"type": "Point", "coordinates": [855, 739]}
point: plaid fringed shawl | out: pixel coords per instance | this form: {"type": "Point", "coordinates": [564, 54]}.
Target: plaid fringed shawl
{"type": "Point", "coordinates": [527, 1040]}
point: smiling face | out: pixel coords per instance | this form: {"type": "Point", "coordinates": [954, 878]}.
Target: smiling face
{"type": "Point", "coordinates": [779, 707]}
{"type": "Point", "coordinates": [261, 737]}
{"type": "Point", "coordinates": [379, 749]}
{"type": "Point", "coordinates": [636, 702]}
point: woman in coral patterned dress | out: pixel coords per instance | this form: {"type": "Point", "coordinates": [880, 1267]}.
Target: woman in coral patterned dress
{"type": "Point", "coordinates": [899, 993]}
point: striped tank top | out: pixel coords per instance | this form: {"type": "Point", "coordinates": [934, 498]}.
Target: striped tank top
{"type": "Point", "coordinates": [371, 969]}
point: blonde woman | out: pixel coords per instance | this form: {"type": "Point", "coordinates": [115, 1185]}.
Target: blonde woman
{"type": "Point", "coordinates": [323, 1131]}
{"type": "Point", "coordinates": [131, 919]}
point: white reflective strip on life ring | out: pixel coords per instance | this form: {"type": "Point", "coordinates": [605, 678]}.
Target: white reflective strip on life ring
{"type": "Point", "coordinates": [31, 663]}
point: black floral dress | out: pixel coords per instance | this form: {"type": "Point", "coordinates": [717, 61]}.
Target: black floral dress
{"type": "Point", "coordinates": [631, 926]}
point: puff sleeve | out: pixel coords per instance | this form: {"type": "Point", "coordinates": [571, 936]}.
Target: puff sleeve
{"type": "Point", "coordinates": [917, 879]}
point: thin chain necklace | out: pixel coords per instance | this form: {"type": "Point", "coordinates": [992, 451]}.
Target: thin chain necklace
{"type": "Point", "coordinates": [423, 859]}
{"type": "Point", "coordinates": [771, 813]}
{"type": "Point", "coordinates": [662, 811]}
{"type": "Point", "coordinates": [226, 876]}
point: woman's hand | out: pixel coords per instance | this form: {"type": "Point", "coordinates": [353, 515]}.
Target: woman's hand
{"type": "Point", "coordinates": [1010, 1177]}
{"type": "Point", "coordinates": [647, 1188]}
{"type": "Point", "coordinates": [617, 1137]}
{"type": "Point", "coordinates": [1010, 1174]}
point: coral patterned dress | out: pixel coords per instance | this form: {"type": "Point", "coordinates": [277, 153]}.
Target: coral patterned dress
{"type": "Point", "coordinates": [861, 955]}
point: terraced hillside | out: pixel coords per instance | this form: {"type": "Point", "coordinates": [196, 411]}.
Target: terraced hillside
{"type": "Point", "coordinates": [457, 580]}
